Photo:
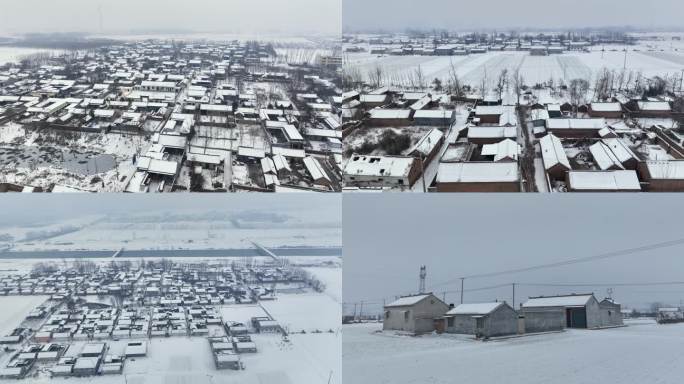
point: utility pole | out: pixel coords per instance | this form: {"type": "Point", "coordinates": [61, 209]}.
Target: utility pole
{"type": "Point", "coordinates": [423, 273]}
{"type": "Point", "coordinates": [462, 278]}
{"type": "Point", "coordinates": [361, 310]}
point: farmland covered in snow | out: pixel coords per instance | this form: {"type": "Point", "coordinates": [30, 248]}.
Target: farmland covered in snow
{"type": "Point", "coordinates": [198, 230]}
{"type": "Point", "coordinates": [642, 352]}
{"type": "Point", "coordinates": [473, 68]}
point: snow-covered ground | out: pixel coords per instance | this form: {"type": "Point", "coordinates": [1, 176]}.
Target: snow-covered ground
{"type": "Point", "coordinates": [198, 230]}
{"type": "Point", "coordinates": [642, 352]}
{"type": "Point", "coordinates": [186, 360]}
{"type": "Point", "coordinates": [14, 309]}
{"type": "Point", "coordinates": [471, 69]}
{"type": "Point", "coordinates": [14, 54]}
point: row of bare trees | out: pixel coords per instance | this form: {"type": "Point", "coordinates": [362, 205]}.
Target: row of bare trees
{"type": "Point", "coordinates": [606, 85]}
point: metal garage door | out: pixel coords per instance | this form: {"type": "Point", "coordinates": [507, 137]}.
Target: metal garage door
{"type": "Point", "coordinates": [576, 317]}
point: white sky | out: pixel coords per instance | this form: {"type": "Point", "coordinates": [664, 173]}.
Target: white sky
{"type": "Point", "coordinates": [292, 17]}
{"type": "Point", "coordinates": [387, 238]}
{"type": "Point", "coordinates": [492, 14]}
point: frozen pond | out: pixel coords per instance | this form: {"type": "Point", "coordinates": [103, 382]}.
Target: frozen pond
{"type": "Point", "coordinates": [88, 165]}
{"type": "Point", "coordinates": [75, 162]}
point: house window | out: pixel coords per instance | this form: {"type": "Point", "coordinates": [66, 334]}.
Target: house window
{"type": "Point", "coordinates": [450, 322]}
{"type": "Point", "coordinates": [406, 315]}
{"type": "Point", "coordinates": [479, 323]}
{"type": "Point", "coordinates": [387, 314]}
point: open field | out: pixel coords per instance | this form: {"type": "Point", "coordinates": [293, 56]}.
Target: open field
{"type": "Point", "coordinates": [642, 352]}
{"type": "Point", "coordinates": [473, 68]}
{"type": "Point", "coordinates": [15, 309]}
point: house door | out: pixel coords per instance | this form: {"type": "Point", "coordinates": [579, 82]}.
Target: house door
{"type": "Point", "coordinates": [576, 317]}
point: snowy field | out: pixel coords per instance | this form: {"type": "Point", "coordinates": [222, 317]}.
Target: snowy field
{"type": "Point", "coordinates": [14, 54]}
{"type": "Point", "coordinates": [185, 360]}
{"type": "Point", "coordinates": [198, 230]}
{"type": "Point", "coordinates": [471, 69]}
{"type": "Point", "coordinates": [642, 352]}
{"type": "Point", "coordinates": [13, 310]}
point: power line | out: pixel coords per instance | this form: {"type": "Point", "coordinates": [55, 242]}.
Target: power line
{"type": "Point", "coordinates": [602, 284]}
{"type": "Point", "coordinates": [601, 256]}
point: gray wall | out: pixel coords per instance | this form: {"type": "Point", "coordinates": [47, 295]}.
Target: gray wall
{"type": "Point", "coordinates": [544, 319]}
{"type": "Point", "coordinates": [610, 314]}
{"type": "Point", "coordinates": [420, 318]}
{"type": "Point", "coordinates": [503, 321]}
{"type": "Point", "coordinates": [593, 314]}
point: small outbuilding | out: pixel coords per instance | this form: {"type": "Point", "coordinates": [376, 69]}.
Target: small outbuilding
{"type": "Point", "coordinates": [482, 319]}
{"type": "Point", "coordinates": [414, 313]}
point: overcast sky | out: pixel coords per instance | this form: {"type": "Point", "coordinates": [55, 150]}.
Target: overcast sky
{"type": "Point", "coordinates": [292, 17]}
{"type": "Point", "coordinates": [501, 14]}
{"type": "Point", "coordinates": [386, 239]}
{"type": "Point", "coordinates": [321, 209]}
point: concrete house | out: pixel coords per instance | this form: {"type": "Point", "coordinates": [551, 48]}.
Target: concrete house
{"type": "Point", "coordinates": [482, 319]}
{"type": "Point", "coordinates": [577, 311]}
{"type": "Point", "coordinates": [413, 313]}
{"type": "Point", "coordinates": [611, 313]}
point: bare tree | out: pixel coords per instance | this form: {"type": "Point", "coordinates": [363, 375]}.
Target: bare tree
{"type": "Point", "coordinates": [375, 76]}
{"type": "Point", "coordinates": [420, 78]}
{"type": "Point", "coordinates": [502, 82]}
{"type": "Point", "coordinates": [518, 85]}
{"type": "Point", "coordinates": [454, 83]}
{"type": "Point", "coordinates": [578, 91]}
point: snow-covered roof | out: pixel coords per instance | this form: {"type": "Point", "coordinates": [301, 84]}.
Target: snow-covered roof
{"type": "Point", "coordinates": [604, 157]}
{"type": "Point", "coordinates": [620, 180]}
{"type": "Point", "coordinates": [553, 152]}
{"type": "Point", "coordinates": [666, 169]}
{"type": "Point", "coordinates": [475, 309]}
{"type": "Point", "coordinates": [434, 114]}
{"type": "Point", "coordinates": [315, 169]}
{"type": "Point", "coordinates": [428, 142]}
{"type": "Point", "coordinates": [481, 110]}
{"type": "Point", "coordinates": [492, 132]}
{"type": "Point", "coordinates": [323, 132]}
{"type": "Point", "coordinates": [477, 172]}
{"type": "Point", "coordinates": [606, 107]}
{"type": "Point", "coordinates": [288, 152]}
{"type": "Point", "coordinates": [163, 167]}
{"type": "Point", "coordinates": [654, 106]}
{"type": "Point", "coordinates": [385, 166]}
{"type": "Point", "coordinates": [505, 149]}
{"type": "Point", "coordinates": [251, 152]}
{"type": "Point", "coordinates": [407, 300]}
{"type": "Point", "coordinates": [619, 149]}
{"type": "Point", "coordinates": [558, 301]}
{"type": "Point", "coordinates": [379, 113]}
{"type": "Point", "coordinates": [373, 98]}
{"type": "Point", "coordinates": [575, 123]}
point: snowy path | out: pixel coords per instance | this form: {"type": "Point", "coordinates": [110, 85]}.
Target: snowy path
{"type": "Point", "coordinates": [641, 353]}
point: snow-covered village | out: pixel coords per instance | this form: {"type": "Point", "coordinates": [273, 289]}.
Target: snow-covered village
{"type": "Point", "coordinates": [582, 110]}
{"type": "Point", "coordinates": [597, 301]}
{"type": "Point", "coordinates": [251, 303]}
{"type": "Point", "coordinates": [171, 115]}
